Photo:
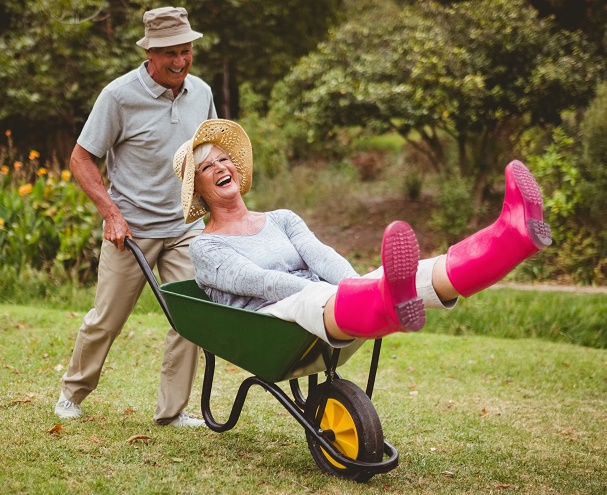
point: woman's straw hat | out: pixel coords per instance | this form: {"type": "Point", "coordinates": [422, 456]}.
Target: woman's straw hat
{"type": "Point", "coordinates": [232, 139]}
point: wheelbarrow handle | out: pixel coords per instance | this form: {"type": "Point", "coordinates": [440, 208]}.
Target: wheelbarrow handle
{"type": "Point", "coordinates": [132, 246]}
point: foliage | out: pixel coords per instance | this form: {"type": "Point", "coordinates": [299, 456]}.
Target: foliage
{"type": "Point", "coordinates": [572, 205]}
{"type": "Point", "coordinates": [593, 166]}
{"type": "Point", "coordinates": [54, 58]}
{"type": "Point", "coordinates": [574, 318]}
{"type": "Point", "coordinates": [588, 15]}
{"type": "Point", "coordinates": [256, 42]}
{"type": "Point", "coordinates": [454, 209]}
{"type": "Point", "coordinates": [413, 184]}
{"type": "Point", "coordinates": [473, 70]}
{"type": "Point", "coordinates": [46, 220]}
{"type": "Point", "coordinates": [266, 138]}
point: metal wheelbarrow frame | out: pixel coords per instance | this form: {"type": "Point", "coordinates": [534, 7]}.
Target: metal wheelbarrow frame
{"type": "Point", "coordinates": [343, 431]}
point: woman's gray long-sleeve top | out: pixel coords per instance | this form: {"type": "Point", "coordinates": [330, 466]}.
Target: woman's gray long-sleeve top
{"type": "Point", "coordinates": [253, 271]}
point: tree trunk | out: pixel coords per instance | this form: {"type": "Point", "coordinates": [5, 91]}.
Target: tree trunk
{"type": "Point", "coordinates": [480, 183]}
{"type": "Point", "coordinates": [225, 91]}
{"type": "Point", "coordinates": [434, 149]}
{"type": "Point", "coordinates": [485, 155]}
{"type": "Point", "coordinates": [464, 167]}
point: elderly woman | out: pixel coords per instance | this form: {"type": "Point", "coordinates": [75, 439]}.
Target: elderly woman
{"type": "Point", "coordinates": [272, 263]}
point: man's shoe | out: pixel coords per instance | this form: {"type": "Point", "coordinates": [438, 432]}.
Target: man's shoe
{"type": "Point", "coordinates": [66, 409]}
{"type": "Point", "coordinates": [184, 419]}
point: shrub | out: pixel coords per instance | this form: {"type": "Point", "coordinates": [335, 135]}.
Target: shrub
{"type": "Point", "coordinates": [579, 250]}
{"type": "Point", "coordinates": [46, 220]}
{"type": "Point", "coordinates": [593, 167]}
{"type": "Point", "coordinates": [267, 139]}
{"type": "Point", "coordinates": [413, 184]}
{"type": "Point", "coordinates": [454, 209]}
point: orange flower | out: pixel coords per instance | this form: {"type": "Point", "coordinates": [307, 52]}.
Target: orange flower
{"type": "Point", "coordinates": [34, 154]}
{"type": "Point", "coordinates": [17, 165]}
{"type": "Point", "coordinates": [66, 175]}
{"type": "Point", "coordinates": [25, 190]}
{"type": "Point", "coordinates": [1, 223]}
{"type": "Point", "coordinates": [41, 171]}
{"type": "Point", "coordinates": [4, 170]}
{"type": "Point", "coordinates": [7, 133]}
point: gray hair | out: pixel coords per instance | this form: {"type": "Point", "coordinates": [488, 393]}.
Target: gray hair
{"type": "Point", "coordinates": [201, 152]}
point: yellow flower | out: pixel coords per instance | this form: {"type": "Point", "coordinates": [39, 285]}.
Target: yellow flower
{"type": "Point", "coordinates": [1, 223]}
{"type": "Point", "coordinates": [34, 154]}
{"type": "Point", "coordinates": [41, 171]}
{"type": "Point", "coordinates": [4, 170]}
{"type": "Point", "coordinates": [25, 189]}
{"type": "Point", "coordinates": [66, 175]}
{"type": "Point", "coordinates": [17, 165]}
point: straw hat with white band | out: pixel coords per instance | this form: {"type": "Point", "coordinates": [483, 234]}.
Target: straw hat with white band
{"type": "Point", "coordinates": [230, 137]}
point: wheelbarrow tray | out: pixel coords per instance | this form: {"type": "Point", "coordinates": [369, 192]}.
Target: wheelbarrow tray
{"type": "Point", "coordinates": [266, 346]}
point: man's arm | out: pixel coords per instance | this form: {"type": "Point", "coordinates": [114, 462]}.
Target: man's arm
{"type": "Point", "coordinates": [89, 178]}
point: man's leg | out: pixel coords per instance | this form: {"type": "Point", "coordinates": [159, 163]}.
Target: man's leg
{"type": "Point", "coordinates": [119, 285]}
{"type": "Point", "coordinates": [181, 356]}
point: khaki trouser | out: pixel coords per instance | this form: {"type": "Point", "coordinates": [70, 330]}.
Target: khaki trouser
{"type": "Point", "coordinates": [119, 285]}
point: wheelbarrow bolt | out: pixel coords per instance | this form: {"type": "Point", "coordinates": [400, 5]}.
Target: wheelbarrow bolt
{"type": "Point", "coordinates": [328, 434]}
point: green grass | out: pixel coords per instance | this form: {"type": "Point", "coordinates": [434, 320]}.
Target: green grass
{"type": "Point", "coordinates": [556, 316]}
{"type": "Point", "coordinates": [468, 413]}
{"type": "Point", "coordinates": [550, 315]}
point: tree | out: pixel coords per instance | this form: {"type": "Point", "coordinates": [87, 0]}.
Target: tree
{"type": "Point", "coordinates": [590, 16]}
{"type": "Point", "coordinates": [56, 55]}
{"type": "Point", "coordinates": [473, 71]}
{"type": "Point", "coordinates": [256, 41]}
{"type": "Point", "coordinates": [53, 62]}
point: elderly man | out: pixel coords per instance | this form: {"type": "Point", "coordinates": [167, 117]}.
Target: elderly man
{"type": "Point", "coordinates": [138, 122]}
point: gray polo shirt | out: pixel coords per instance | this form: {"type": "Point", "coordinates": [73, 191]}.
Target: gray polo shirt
{"type": "Point", "coordinates": [138, 125]}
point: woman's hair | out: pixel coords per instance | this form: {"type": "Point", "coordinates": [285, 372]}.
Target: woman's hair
{"type": "Point", "coordinates": [201, 152]}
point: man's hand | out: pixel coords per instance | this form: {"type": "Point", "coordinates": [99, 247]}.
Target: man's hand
{"type": "Point", "coordinates": [116, 229]}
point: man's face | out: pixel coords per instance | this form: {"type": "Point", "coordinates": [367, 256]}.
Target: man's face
{"type": "Point", "coordinates": [169, 65]}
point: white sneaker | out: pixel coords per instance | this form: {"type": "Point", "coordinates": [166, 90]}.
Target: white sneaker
{"type": "Point", "coordinates": [66, 409]}
{"type": "Point", "coordinates": [184, 419]}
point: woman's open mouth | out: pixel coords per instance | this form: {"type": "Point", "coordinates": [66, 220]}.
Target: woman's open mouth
{"type": "Point", "coordinates": [224, 181]}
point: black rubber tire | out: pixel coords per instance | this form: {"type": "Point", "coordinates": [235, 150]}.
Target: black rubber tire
{"type": "Point", "coordinates": [363, 430]}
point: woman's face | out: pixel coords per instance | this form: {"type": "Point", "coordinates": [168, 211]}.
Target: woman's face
{"type": "Point", "coordinates": [216, 178]}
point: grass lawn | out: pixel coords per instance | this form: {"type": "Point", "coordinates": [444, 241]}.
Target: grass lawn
{"type": "Point", "coordinates": [468, 414]}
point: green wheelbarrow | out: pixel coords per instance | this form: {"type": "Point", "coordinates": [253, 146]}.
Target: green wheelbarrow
{"type": "Point", "coordinates": [343, 431]}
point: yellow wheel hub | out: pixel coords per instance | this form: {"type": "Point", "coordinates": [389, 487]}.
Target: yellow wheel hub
{"type": "Point", "coordinates": [337, 419]}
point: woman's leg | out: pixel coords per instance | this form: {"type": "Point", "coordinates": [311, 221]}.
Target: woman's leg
{"type": "Point", "coordinates": [331, 326]}
{"type": "Point", "coordinates": [427, 276]}
{"type": "Point", "coordinates": [372, 308]}
{"type": "Point", "coordinates": [363, 307]}
{"type": "Point", "coordinates": [471, 265]}
{"type": "Point", "coordinates": [442, 285]}
{"type": "Point", "coordinates": [486, 257]}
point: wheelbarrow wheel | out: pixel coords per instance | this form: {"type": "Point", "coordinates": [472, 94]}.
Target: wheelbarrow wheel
{"type": "Point", "coordinates": [352, 425]}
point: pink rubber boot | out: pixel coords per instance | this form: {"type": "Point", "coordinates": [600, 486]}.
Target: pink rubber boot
{"type": "Point", "coordinates": [487, 256]}
{"type": "Point", "coordinates": [372, 308]}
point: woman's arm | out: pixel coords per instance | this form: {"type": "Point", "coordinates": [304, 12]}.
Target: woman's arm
{"type": "Point", "coordinates": [218, 266]}
{"type": "Point", "coordinates": [320, 258]}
